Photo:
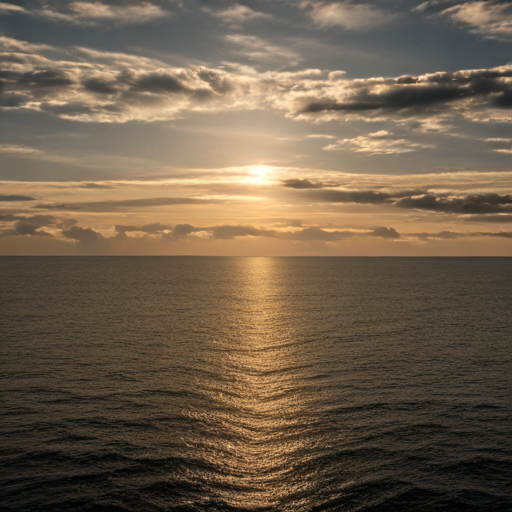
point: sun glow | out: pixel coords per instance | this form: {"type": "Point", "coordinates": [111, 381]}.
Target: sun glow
{"type": "Point", "coordinates": [259, 174]}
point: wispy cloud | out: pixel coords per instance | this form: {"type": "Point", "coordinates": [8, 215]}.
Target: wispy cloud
{"type": "Point", "coordinates": [489, 18]}
{"type": "Point", "coordinates": [236, 15]}
{"type": "Point", "coordinates": [378, 143]}
{"type": "Point", "coordinates": [11, 8]}
{"type": "Point", "coordinates": [260, 50]}
{"type": "Point", "coordinates": [472, 204]}
{"type": "Point", "coordinates": [94, 13]}
{"type": "Point", "coordinates": [348, 15]}
{"type": "Point", "coordinates": [123, 204]}
{"type": "Point", "coordinates": [302, 183]}
{"type": "Point", "coordinates": [15, 197]}
{"type": "Point", "coordinates": [19, 150]}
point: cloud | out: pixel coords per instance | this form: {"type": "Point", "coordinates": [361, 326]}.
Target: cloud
{"type": "Point", "coordinates": [442, 235]}
{"type": "Point", "coordinates": [96, 13]}
{"type": "Point", "coordinates": [434, 92]}
{"type": "Point", "coordinates": [181, 230]}
{"type": "Point", "coordinates": [9, 44]}
{"type": "Point", "coordinates": [237, 15]}
{"type": "Point", "coordinates": [500, 145]}
{"type": "Point", "coordinates": [157, 82]}
{"type": "Point", "coordinates": [503, 234]}
{"type": "Point", "coordinates": [302, 183]}
{"type": "Point", "coordinates": [31, 225]}
{"type": "Point", "coordinates": [227, 232]}
{"type": "Point", "coordinates": [48, 78]}
{"type": "Point", "coordinates": [482, 204]}
{"type": "Point", "coordinates": [469, 205]}
{"type": "Point", "coordinates": [434, 6]}
{"type": "Point", "coordinates": [348, 15]}
{"type": "Point", "coordinates": [11, 8]}
{"type": "Point", "coordinates": [491, 19]}
{"type": "Point", "coordinates": [153, 228]}
{"type": "Point", "coordinates": [320, 136]}
{"type": "Point", "coordinates": [89, 240]}
{"type": "Point", "coordinates": [384, 232]}
{"type": "Point", "coordinates": [94, 186]}
{"type": "Point", "coordinates": [112, 206]}
{"type": "Point", "coordinates": [316, 234]}
{"type": "Point", "coordinates": [348, 196]}
{"type": "Point", "coordinates": [377, 143]}
{"type": "Point", "coordinates": [92, 86]}
{"type": "Point", "coordinates": [18, 150]}
{"type": "Point", "coordinates": [223, 232]}
{"type": "Point", "coordinates": [260, 50]}
{"type": "Point", "coordinates": [451, 235]}
{"type": "Point", "coordinates": [14, 197]}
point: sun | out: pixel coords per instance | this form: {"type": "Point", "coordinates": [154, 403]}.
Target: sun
{"type": "Point", "coordinates": [259, 173]}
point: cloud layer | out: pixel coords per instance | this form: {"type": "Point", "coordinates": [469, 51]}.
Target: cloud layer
{"type": "Point", "coordinates": [118, 87]}
{"type": "Point", "coordinates": [92, 13]}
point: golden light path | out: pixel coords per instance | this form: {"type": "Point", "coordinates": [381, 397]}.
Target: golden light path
{"type": "Point", "coordinates": [260, 408]}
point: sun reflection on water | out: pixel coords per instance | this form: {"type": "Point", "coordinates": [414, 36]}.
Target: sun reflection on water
{"type": "Point", "coordinates": [259, 410]}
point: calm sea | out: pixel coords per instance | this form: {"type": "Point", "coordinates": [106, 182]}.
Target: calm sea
{"type": "Point", "coordinates": [279, 384]}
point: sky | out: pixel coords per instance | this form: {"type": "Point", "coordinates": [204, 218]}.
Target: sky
{"type": "Point", "coordinates": [256, 128]}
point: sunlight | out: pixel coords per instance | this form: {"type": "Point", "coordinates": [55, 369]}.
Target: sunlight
{"type": "Point", "coordinates": [259, 173]}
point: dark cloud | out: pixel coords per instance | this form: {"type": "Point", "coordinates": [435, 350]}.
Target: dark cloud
{"type": "Point", "coordinates": [13, 197]}
{"type": "Point", "coordinates": [29, 226]}
{"type": "Point", "coordinates": [158, 83]}
{"type": "Point", "coordinates": [470, 205]}
{"type": "Point", "coordinates": [349, 196]}
{"type": "Point", "coordinates": [94, 185]}
{"type": "Point", "coordinates": [24, 228]}
{"type": "Point", "coordinates": [110, 206]}
{"type": "Point", "coordinates": [99, 86]}
{"type": "Point", "coordinates": [395, 99]}
{"type": "Point", "coordinates": [302, 183]}
{"type": "Point", "coordinates": [9, 217]}
{"type": "Point", "coordinates": [82, 234]}
{"type": "Point", "coordinates": [503, 234]}
{"type": "Point", "coordinates": [183, 230]}
{"type": "Point", "coordinates": [219, 83]}
{"type": "Point", "coordinates": [410, 94]}
{"type": "Point", "coordinates": [475, 204]}
{"type": "Point", "coordinates": [12, 100]}
{"type": "Point", "coordinates": [384, 232]}
{"type": "Point", "coordinates": [88, 239]}
{"type": "Point", "coordinates": [45, 78]}
{"type": "Point", "coordinates": [451, 235]}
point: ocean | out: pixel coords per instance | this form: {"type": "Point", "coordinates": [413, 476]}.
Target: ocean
{"type": "Point", "coordinates": [261, 384]}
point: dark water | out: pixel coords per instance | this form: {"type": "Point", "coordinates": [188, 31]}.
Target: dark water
{"type": "Point", "coordinates": [300, 384]}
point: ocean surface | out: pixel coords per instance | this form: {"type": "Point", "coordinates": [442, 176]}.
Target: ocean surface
{"type": "Point", "coordinates": [262, 384]}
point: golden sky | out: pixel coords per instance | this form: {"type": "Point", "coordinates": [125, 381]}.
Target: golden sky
{"type": "Point", "coordinates": [256, 128]}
